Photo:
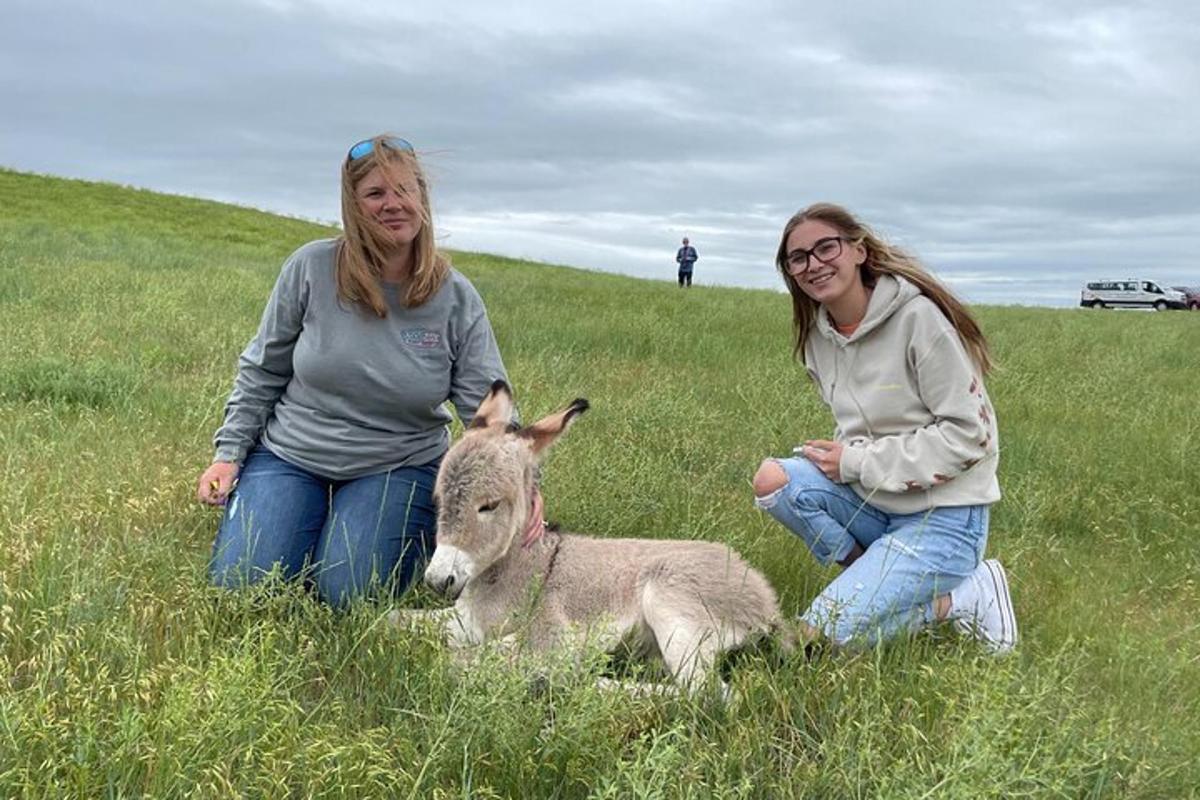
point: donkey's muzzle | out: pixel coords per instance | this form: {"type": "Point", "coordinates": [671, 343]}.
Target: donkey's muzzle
{"type": "Point", "coordinates": [445, 585]}
{"type": "Point", "coordinates": [448, 571]}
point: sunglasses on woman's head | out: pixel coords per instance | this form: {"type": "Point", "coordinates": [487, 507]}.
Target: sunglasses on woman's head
{"type": "Point", "coordinates": [367, 146]}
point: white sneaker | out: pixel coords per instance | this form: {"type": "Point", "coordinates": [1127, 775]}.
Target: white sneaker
{"type": "Point", "coordinates": [986, 611]}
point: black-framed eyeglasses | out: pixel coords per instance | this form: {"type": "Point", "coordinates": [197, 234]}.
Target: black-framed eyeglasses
{"type": "Point", "coordinates": [823, 250]}
{"type": "Point", "coordinates": [367, 146]}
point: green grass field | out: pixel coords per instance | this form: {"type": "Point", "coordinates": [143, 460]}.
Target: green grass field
{"type": "Point", "coordinates": [124, 674]}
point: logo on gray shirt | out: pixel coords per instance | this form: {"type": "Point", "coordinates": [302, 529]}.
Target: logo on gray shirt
{"type": "Point", "coordinates": [421, 338]}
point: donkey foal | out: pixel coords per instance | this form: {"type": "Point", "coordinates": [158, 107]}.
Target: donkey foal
{"type": "Point", "coordinates": [686, 601]}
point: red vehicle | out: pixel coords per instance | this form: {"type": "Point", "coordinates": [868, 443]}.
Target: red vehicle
{"type": "Point", "coordinates": [1191, 295]}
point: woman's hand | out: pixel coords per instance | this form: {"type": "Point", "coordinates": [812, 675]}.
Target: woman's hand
{"type": "Point", "coordinates": [826, 455]}
{"type": "Point", "coordinates": [216, 483]}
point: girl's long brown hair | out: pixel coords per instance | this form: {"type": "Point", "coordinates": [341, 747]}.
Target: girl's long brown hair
{"type": "Point", "coordinates": [361, 253]}
{"type": "Point", "coordinates": [882, 259]}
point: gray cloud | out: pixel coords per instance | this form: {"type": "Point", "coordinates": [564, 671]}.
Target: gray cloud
{"type": "Point", "coordinates": [1017, 148]}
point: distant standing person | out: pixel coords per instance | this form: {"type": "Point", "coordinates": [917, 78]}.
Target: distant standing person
{"type": "Point", "coordinates": [336, 424]}
{"type": "Point", "coordinates": [899, 495]}
{"type": "Point", "coordinates": [686, 258]}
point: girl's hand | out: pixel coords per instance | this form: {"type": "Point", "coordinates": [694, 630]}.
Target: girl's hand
{"type": "Point", "coordinates": [826, 455]}
{"type": "Point", "coordinates": [216, 483]}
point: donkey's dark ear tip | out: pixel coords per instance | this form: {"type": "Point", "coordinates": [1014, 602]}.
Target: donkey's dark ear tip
{"type": "Point", "coordinates": [501, 385]}
{"type": "Point", "coordinates": [580, 404]}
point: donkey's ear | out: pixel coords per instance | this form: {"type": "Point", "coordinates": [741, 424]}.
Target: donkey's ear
{"type": "Point", "coordinates": [544, 432]}
{"type": "Point", "coordinates": [495, 410]}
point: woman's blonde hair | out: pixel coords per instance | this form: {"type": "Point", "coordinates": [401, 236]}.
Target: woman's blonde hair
{"type": "Point", "coordinates": [882, 259]}
{"type": "Point", "coordinates": [362, 252]}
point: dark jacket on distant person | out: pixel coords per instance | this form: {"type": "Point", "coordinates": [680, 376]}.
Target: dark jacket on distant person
{"type": "Point", "coordinates": [686, 258]}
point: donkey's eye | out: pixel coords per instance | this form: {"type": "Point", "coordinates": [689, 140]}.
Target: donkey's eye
{"type": "Point", "coordinates": [487, 508]}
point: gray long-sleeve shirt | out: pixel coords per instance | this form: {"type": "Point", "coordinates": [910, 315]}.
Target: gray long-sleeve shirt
{"type": "Point", "coordinates": [336, 390]}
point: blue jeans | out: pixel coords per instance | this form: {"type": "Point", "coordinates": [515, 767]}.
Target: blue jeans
{"type": "Point", "coordinates": [350, 537]}
{"type": "Point", "coordinates": [908, 559]}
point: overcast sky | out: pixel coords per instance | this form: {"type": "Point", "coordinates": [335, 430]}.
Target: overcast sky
{"type": "Point", "coordinates": [1017, 148]}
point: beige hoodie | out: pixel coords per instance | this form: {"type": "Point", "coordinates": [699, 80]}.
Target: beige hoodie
{"type": "Point", "coordinates": [909, 404]}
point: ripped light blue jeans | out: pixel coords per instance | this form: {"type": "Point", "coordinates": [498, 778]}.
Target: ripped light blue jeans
{"type": "Point", "coordinates": [908, 559]}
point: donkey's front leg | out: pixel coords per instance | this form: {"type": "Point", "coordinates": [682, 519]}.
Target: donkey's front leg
{"type": "Point", "coordinates": [455, 630]}
{"type": "Point", "coordinates": [410, 619]}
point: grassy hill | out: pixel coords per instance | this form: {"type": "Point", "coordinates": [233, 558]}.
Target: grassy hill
{"type": "Point", "coordinates": [123, 313]}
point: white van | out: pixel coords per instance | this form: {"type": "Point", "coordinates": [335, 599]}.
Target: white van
{"type": "Point", "coordinates": [1130, 294]}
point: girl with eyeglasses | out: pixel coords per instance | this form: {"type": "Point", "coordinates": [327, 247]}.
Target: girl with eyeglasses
{"type": "Point", "coordinates": [899, 495]}
{"type": "Point", "coordinates": [336, 423]}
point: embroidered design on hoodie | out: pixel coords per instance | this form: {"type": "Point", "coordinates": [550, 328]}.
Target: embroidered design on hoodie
{"type": "Point", "coordinates": [985, 416]}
